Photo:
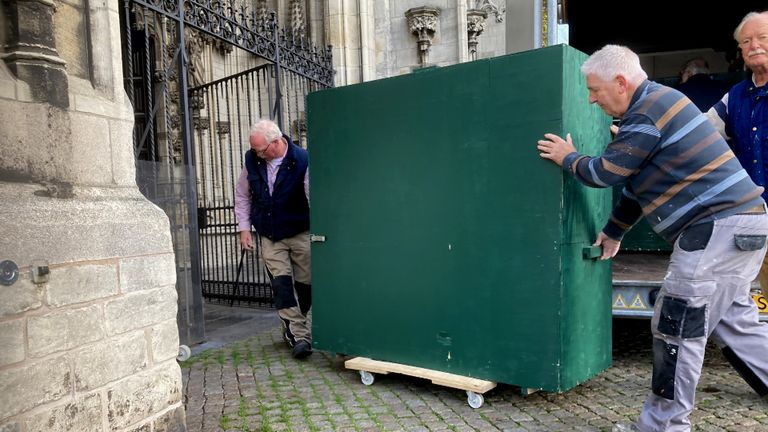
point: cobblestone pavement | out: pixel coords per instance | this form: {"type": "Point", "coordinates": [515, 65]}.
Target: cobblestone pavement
{"type": "Point", "coordinates": [255, 385]}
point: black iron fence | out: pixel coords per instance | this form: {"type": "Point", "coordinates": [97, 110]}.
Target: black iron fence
{"type": "Point", "coordinates": [228, 108]}
{"type": "Point", "coordinates": [195, 138]}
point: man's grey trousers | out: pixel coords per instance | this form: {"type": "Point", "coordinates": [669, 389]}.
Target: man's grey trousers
{"type": "Point", "coordinates": [706, 292]}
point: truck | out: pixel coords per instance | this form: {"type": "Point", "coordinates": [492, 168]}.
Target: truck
{"type": "Point", "coordinates": [638, 272]}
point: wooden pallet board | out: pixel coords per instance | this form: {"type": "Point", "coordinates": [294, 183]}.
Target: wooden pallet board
{"type": "Point", "coordinates": [437, 377]}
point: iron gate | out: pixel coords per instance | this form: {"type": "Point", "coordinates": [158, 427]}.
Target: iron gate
{"type": "Point", "coordinates": [221, 133]}
{"type": "Point", "coordinates": [189, 142]}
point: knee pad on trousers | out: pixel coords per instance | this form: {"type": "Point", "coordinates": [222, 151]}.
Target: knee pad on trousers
{"type": "Point", "coordinates": [282, 292]}
{"type": "Point", "coordinates": [304, 293]}
{"type": "Point", "coordinates": [679, 319]}
{"type": "Point", "coordinates": [749, 376]}
{"type": "Point", "coordinates": [664, 366]}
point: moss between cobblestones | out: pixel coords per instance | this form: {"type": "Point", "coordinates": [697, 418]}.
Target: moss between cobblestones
{"type": "Point", "coordinates": [264, 389]}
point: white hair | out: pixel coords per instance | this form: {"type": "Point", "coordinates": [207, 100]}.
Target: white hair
{"type": "Point", "coordinates": [612, 60]}
{"type": "Point", "coordinates": [695, 66]}
{"type": "Point", "coordinates": [747, 17]}
{"type": "Point", "coordinates": [267, 128]}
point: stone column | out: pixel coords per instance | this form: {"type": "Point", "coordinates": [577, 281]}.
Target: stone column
{"type": "Point", "coordinates": [422, 22]}
{"type": "Point", "coordinates": [88, 325]}
{"type": "Point", "coordinates": [461, 20]}
{"type": "Point", "coordinates": [30, 50]}
{"type": "Point", "coordinates": [342, 23]}
{"type": "Point", "coordinates": [367, 40]}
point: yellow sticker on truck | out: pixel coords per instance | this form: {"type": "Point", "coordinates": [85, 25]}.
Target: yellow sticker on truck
{"type": "Point", "coordinates": [761, 302]}
{"type": "Point", "coordinates": [637, 303]}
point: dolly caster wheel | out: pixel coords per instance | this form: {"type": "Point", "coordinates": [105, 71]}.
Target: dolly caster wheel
{"type": "Point", "coordinates": [366, 377]}
{"type": "Point", "coordinates": [184, 353]}
{"type": "Point", "coordinates": [475, 400]}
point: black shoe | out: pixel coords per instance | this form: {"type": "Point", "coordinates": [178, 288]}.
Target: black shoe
{"type": "Point", "coordinates": [302, 349]}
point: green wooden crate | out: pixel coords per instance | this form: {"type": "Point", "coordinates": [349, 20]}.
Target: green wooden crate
{"type": "Point", "coordinates": [641, 237]}
{"type": "Point", "coordinates": [449, 243]}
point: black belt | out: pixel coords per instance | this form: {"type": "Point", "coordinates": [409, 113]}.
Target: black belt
{"type": "Point", "coordinates": [758, 209]}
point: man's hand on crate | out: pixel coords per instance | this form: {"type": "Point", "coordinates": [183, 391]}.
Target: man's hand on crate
{"type": "Point", "coordinates": [609, 245]}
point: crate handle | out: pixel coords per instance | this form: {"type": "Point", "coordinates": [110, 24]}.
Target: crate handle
{"type": "Point", "coordinates": [591, 252]}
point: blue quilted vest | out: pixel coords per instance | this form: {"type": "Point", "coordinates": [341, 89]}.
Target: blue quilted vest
{"type": "Point", "coordinates": [285, 213]}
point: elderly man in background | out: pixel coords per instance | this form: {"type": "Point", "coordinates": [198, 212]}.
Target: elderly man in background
{"type": "Point", "coordinates": [272, 195]}
{"type": "Point", "coordinates": [698, 85]}
{"type": "Point", "coordinates": [742, 114]}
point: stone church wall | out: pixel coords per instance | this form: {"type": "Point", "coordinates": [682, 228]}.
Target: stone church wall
{"type": "Point", "coordinates": [88, 320]}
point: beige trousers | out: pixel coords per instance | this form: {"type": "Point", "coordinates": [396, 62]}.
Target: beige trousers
{"type": "Point", "coordinates": [288, 260]}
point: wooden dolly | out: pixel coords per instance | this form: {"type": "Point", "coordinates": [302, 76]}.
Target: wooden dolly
{"type": "Point", "coordinates": [473, 386]}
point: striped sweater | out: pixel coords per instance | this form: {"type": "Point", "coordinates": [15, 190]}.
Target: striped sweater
{"type": "Point", "coordinates": [677, 169]}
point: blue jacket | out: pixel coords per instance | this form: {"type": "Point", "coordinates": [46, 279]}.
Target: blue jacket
{"type": "Point", "coordinates": [746, 122]}
{"type": "Point", "coordinates": [285, 213]}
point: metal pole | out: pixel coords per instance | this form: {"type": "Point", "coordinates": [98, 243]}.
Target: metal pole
{"type": "Point", "coordinates": [191, 170]}
{"type": "Point", "coordinates": [278, 110]}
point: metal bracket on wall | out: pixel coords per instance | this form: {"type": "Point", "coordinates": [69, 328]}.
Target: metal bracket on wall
{"type": "Point", "coordinates": [9, 272]}
{"type": "Point", "coordinates": [40, 271]}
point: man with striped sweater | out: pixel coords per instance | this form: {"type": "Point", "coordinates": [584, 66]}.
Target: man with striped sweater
{"type": "Point", "coordinates": [682, 177]}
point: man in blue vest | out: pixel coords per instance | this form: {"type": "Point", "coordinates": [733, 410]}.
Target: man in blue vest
{"type": "Point", "coordinates": [272, 195]}
{"type": "Point", "coordinates": [742, 114]}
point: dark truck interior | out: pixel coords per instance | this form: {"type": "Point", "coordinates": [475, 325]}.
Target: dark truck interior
{"type": "Point", "coordinates": [666, 33]}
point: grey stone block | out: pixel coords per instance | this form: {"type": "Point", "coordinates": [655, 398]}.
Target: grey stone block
{"type": "Point", "coordinates": [165, 341]}
{"type": "Point", "coordinates": [109, 360]}
{"type": "Point", "coordinates": [82, 283]}
{"type": "Point", "coordinates": [82, 414]}
{"type": "Point", "coordinates": [64, 329]}
{"type": "Point", "coordinates": [172, 421]}
{"type": "Point", "coordinates": [11, 341]}
{"type": "Point", "coordinates": [20, 297]}
{"type": "Point", "coordinates": [140, 309]}
{"type": "Point", "coordinates": [94, 224]}
{"type": "Point", "coordinates": [33, 384]}
{"type": "Point", "coordinates": [147, 272]}
{"type": "Point", "coordinates": [142, 395]}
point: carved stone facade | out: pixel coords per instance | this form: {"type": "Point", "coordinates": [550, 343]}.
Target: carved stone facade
{"type": "Point", "coordinates": [490, 7]}
{"type": "Point", "coordinates": [374, 39]}
{"type": "Point", "coordinates": [297, 24]}
{"type": "Point", "coordinates": [88, 326]}
{"type": "Point", "coordinates": [475, 26]}
{"type": "Point", "coordinates": [31, 53]}
{"type": "Point", "coordinates": [422, 22]}
{"type": "Point", "coordinates": [99, 336]}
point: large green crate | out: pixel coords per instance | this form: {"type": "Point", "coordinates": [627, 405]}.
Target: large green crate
{"type": "Point", "coordinates": [641, 237]}
{"type": "Point", "coordinates": [449, 243]}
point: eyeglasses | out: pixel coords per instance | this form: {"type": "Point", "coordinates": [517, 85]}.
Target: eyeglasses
{"type": "Point", "coordinates": [261, 152]}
